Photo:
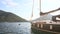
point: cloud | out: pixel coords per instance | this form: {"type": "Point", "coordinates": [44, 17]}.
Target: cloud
{"type": "Point", "coordinates": [10, 3]}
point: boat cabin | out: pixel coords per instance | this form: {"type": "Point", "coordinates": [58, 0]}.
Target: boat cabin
{"type": "Point", "coordinates": [56, 18]}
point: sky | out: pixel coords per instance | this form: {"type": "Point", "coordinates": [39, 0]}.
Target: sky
{"type": "Point", "coordinates": [48, 5]}
{"type": "Point", "coordinates": [23, 8]}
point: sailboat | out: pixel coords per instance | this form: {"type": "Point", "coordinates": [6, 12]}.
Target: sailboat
{"type": "Point", "coordinates": [53, 26]}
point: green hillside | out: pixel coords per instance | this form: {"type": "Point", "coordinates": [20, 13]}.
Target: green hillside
{"type": "Point", "coordinates": [10, 17]}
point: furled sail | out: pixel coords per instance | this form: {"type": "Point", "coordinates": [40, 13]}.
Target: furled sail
{"type": "Point", "coordinates": [41, 13]}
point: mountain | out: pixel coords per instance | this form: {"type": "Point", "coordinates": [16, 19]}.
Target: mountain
{"type": "Point", "coordinates": [10, 17]}
{"type": "Point", "coordinates": [45, 17]}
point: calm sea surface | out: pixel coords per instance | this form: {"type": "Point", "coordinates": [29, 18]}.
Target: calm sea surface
{"type": "Point", "coordinates": [16, 28]}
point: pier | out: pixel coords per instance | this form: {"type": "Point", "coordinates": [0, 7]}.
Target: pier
{"type": "Point", "coordinates": [47, 27]}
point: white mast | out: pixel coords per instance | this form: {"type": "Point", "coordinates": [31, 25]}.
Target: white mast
{"type": "Point", "coordinates": [40, 6]}
{"type": "Point", "coordinates": [32, 11]}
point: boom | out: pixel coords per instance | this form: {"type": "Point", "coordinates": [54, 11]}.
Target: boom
{"type": "Point", "coordinates": [41, 13]}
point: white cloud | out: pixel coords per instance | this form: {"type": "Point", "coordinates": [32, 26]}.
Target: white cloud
{"type": "Point", "coordinates": [10, 3]}
{"type": "Point", "coordinates": [25, 8]}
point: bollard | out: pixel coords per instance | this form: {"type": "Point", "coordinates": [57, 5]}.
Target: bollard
{"type": "Point", "coordinates": [50, 27]}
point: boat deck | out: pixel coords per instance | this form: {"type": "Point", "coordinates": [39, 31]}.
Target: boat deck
{"type": "Point", "coordinates": [48, 27]}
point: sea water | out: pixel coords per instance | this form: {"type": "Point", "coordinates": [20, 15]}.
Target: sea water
{"type": "Point", "coordinates": [17, 28]}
